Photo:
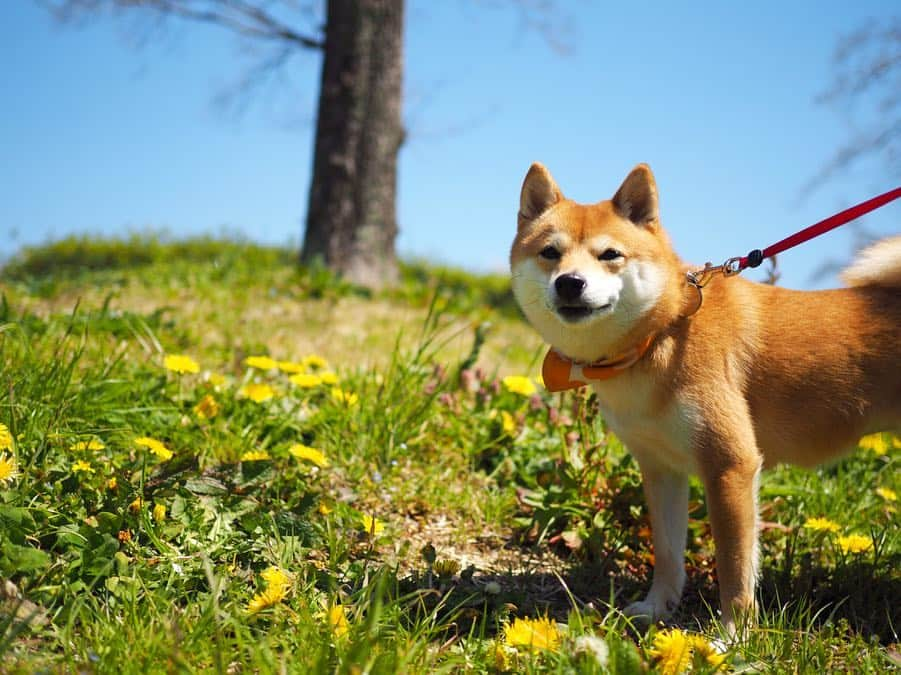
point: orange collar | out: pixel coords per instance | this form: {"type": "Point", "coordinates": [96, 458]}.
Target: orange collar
{"type": "Point", "coordinates": [560, 373]}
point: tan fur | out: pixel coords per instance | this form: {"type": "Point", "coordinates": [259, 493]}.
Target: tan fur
{"type": "Point", "coordinates": [759, 375]}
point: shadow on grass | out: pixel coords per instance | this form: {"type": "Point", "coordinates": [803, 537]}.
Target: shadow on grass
{"type": "Point", "coordinates": [865, 596]}
{"type": "Point", "coordinates": [859, 597]}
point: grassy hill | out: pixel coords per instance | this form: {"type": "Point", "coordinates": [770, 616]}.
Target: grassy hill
{"type": "Point", "coordinates": [211, 459]}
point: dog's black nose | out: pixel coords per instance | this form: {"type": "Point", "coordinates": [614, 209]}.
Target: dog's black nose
{"type": "Point", "coordinates": [569, 287]}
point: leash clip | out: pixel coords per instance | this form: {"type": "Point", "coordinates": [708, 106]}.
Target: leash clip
{"type": "Point", "coordinates": [702, 277]}
{"type": "Point", "coordinates": [731, 267]}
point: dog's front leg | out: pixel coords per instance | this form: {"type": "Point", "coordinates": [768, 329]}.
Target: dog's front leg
{"type": "Point", "coordinates": [666, 492]}
{"type": "Point", "coordinates": [731, 485]}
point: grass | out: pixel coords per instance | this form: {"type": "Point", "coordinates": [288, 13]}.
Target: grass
{"type": "Point", "coordinates": [447, 502]}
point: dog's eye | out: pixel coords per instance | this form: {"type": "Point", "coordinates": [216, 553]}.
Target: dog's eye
{"type": "Point", "coordinates": [610, 254]}
{"type": "Point", "coordinates": [549, 253]}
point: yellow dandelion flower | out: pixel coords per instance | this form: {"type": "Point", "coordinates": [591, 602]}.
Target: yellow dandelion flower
{"type": "Point", "coordinates": [306, 380]}
{"type": "Point", "coordinates": [136, 505]}
{"type": "Point", "coordinates": [6, 438]}
{"type": "Point", "coordinates": [508, 424]}
{"type": "Point", "coordinates": [315, 362]}
{"type": "Point", "coordinates": [255, 456]}
{"type": "Point", "coordinates": [124, 536]}
{"type": "Point", "coordinates": [533, 634]}
{"type": "Point", "coordinates": [344, 397]}
{"type": "Point", "coordinates": [879, 444]}
{"type": "Point", "coordinates": [855, 543]}
{"type": "Point", "coordinates": [309, 454]}
{"type": "Point", "coordinates": [672, 650]}
{"type": "Point", "coordinates": [519, 384]}
{"type": "Point", "coordinates": [446, 568]}
{"type": "Point", "coordinates": [291, 367]}
{"type": "Point", "coordinates": [216, 379]}
{"type": "Point", "coordinates": [179, 363]}
{"type": "Point", "coordinates": [7, 468]}
{"type": "Point", "coordinates": [82, 466]}
{"type": "Point", "coordinates": [277, 586]}
{"type": "Point", "coordinates": [707, 652]}
{"type": "Point", "coordinates": [260, 362]}
{"type": "Point", "coordinates": [275, 576]}
{"type": "Point", "coordinates": [337, 621]}
{"type": "Point", "coordinates": [821, 525]}
{"type": "Point", "coordinates": [207, 408]}
{"type": "Point", "coordinates": [272, 595]}
{"type": "Point", "coordinates": [258, 393]}
{"type": "Point", "coordinates": [502, 656]}
{"type": "Point", "coordinates": [155, 446]}
{"type": "Point", "coordinates": [372, 525]}
{"type": "Point", "coordinates": [112, 483]}
{"type": "Point", "coordinates": [92, 444]}
{"type": "Point", "coordinates": [887, 494]}
{"type": "Point", "coordinates": [329, 378]}
{"type": "Point", "coordinates": [159, 513]}
{"type": "Point", "coordinates": [323, 509]}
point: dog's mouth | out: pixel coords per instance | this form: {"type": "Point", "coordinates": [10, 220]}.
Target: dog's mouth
{"type": "Point", "coordinates": [580, 312]}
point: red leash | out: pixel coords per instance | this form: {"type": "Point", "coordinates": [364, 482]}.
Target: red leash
{"type": "Point", "coordinates": [755, 257]}
{"type": "Point", "coordinates": [735, 265]}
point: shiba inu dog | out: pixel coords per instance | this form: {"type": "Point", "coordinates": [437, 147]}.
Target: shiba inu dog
{"type": "Point", "coordinates": [752, 376]}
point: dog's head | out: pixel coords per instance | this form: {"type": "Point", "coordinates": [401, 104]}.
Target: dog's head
{"type": "Point", "coordinates": [588, 276]}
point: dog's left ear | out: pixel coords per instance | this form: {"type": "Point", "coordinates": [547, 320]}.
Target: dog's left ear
{"type": "Point", "coordinates": [636, 199]}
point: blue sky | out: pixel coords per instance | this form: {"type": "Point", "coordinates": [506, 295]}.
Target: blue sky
{"type": "Point", "coordinates": [102, 136]}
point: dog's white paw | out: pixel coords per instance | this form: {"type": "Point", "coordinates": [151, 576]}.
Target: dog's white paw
{"type": "Point", "coordinates": [656, 607]}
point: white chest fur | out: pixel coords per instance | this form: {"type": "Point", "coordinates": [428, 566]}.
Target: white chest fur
{"type": "Point", "coordinates": [656, 433]}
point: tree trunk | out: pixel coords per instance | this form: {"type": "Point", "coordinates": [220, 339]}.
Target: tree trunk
{"type": "Point", "coordinates": [351, 218]}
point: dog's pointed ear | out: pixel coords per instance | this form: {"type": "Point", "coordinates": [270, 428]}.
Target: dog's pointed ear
{"type": "Point", "coordinates": [636, 199]}
{"type": "Point", "coordinates": [539, 193]}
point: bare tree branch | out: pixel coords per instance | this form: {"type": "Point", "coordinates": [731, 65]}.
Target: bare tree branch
{"type": "Point", "coordinates": [258, 78]}
{"type": "Point", "coordinates": [544, 18]}
{"type": "Point", "coordinates": [883, 140]}
{"type": "Point", "coordinates": [243, 18]}
{"type": "Point", "coordinates": [270, 31]}
{"type": "Point", "coordinates": [867, 89]}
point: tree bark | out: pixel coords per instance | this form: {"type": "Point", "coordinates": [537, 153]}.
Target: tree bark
{"type": "Point", "coordinates": [351, 219]}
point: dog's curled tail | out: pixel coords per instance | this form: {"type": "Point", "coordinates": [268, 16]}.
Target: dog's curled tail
{"type": "Point", "coordinates": [877, 265]}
